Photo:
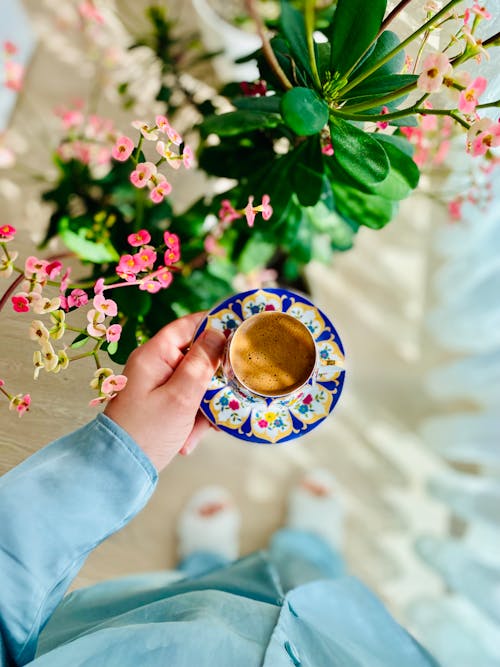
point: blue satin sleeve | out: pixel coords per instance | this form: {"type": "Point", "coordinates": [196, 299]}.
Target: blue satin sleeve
{"type": "Point", "coordinates": [55, 508]}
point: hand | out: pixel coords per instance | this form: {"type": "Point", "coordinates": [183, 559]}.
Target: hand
{"type": "Point", "coordinates": [159, 405]}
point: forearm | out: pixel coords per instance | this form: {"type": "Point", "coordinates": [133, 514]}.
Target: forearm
{"type": "Point", "coordinates": [55, 508]}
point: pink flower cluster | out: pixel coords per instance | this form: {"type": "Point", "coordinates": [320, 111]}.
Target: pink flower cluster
{"type": "Point", "coordinates": [88, 140]}
{"type": "Point", "coordinates": [431, 138]}
{"type": "Point", "coordinates": [483, 135]}
{"type": "Point", "coordinates": [96, 317]}
{"type": "Point", "coordinates": [107, 384]}
{"type": "Point", "coordinates": [139, 268]}
{"type": "Point", "coordinates": [21, 403]}
{"type": "Point", "coordinates": [13, 71]}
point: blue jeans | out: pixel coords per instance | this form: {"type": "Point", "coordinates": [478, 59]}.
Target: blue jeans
{"type": "Point", "coordinates": [299, 556]}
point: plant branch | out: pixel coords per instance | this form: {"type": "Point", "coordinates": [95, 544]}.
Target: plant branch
{"type": "Point", "coordinates": [309, 21]}
{"type": "Point", "coordinates": [494, 40]}
{"type": "Point", "coordinates": [485, 105]}
{"type": "Point", "coordinates": [401, 113]}
{"type": "Point", "coordinates": [10, 289]}
{"type": "Point", "coordinates": [390, 97]}
{"type": "Point", "coordinates": [428, 24]}
{"type": "Point", "coordinates": [267, 49]}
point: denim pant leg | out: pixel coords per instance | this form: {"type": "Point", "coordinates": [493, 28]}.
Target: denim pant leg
{"type": "Point", "coordinates": [201, 562]}
{"type": "Point", "coordinates": [300, 557]}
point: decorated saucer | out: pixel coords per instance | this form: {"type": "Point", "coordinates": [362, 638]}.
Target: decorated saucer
{"type": "Point", "coordinates": [273, 420]}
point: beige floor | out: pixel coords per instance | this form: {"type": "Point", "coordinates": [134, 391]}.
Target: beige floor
{"type": "Point", "coordinates": [376, 295]}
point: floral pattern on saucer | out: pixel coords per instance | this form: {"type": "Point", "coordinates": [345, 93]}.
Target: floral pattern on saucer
{"type": "Point", "coordinates": [267, 420]}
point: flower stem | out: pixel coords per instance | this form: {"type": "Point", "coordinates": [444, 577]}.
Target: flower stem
{"type": "Point", "coordinates": [267, 49]}
{"type": "Point", "coordinates": [396, 94]}
{"type": "Point", "coordinates": [10, 289]}
{"type": "Point", "coordinates": [309, 21]}
{"type": "Point", "coordinates": [401, 113]}
{"type": "Point", "coordinates": [422, 29]}
{"type": "Point", "coordinates": [485, 105]}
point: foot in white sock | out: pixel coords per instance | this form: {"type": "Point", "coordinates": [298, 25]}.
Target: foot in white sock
{"type": "Point", "coordinates": [210, 522]}
{"type": "Point", "coordinates": [314, 506]}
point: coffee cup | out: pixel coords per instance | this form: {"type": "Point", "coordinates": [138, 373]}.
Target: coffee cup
{"type": "Point", "coordinates": [270, 355]}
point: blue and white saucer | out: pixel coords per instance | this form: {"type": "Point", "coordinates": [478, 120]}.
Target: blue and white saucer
{"type": "Point", "coordinates": [272, 420]}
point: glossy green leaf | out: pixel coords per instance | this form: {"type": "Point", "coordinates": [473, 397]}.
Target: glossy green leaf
{"type": "Point", "coordinates": [293, 27]}
{"type": "Point", "coordinates": [396, 140]}
{"type": "Point", "coordinates": [403, 176]}
{"type": "Point", "coordinates": [238, 122]}
{"type": "Point", "coordinates": [354, 27]}
{"type": "Point", "coordinates": [382, 85]}
{"type": "Point", "coordinates": [303, 111]}
{"type": "Point", "coordinates": [74, 235]}
{"type": "Point", "coordinates": [358, 153]}
{"type": "Point", "coordinates": [112, 347]}
{"type": "Point", "coordinates": [307, 174]}
{"type": "Point", "coordinates": [267, 103]}
{"type": "Point", "coordinates": [387, 41]}
{"type": "Point", "coordinates": [79, 341]}
{"type": "Point", "coordinates": [368, 210]}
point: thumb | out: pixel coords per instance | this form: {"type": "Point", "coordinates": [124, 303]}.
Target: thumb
{"type": "Point", "coordinates": [192, 375]}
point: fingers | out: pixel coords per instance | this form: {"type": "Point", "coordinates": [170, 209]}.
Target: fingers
{"type": "Point", "coordinates": [201, 426]}
{"type": "Point", "coordinates": [190, 379]}
{"type": "Point", "coordinates": [157, 359]}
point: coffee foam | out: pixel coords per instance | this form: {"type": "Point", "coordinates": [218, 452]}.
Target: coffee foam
{"type": "Point", "coordinates": [272, 353]}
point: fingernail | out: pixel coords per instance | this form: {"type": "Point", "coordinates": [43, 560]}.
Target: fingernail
{"type": "Point", "coordinates": [214, 341]}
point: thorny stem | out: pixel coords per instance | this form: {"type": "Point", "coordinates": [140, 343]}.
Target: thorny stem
{"type": "Point", "coordinates": [267, 49]}
{"type": "Point", "coordinates": [357, 80]}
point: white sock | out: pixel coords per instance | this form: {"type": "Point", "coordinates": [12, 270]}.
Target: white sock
{"type": "Point", "coordinates": [217, 532]}
{"type": "Point", "coordinates": [319, 512]}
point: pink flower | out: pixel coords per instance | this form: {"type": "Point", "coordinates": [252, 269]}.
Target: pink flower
{"type": "Point", "coordinates": [53, 269]}
{"type": "Point", "coordinates": [480, 11]}
{"type": "Point", "coordinates": [20, 303]}
{"type": "Point", "coordinates": [187, 157]}
{"type": "Point", "coordinates": [227, 212]}
{"type": "Point", "coordinates": [77, 298]}
{"type": "Point", "coordinates": [112, 384]}
{"type": "Point", "coordinates": [171, 240]}
{"type": "Point", "coordinates": [14, 75]}
{"type": "Point", "coordinates": [327, 149]}
{"type": "Point", "coordinates": [139, 238]}
{"type": "Point", "coordinates": [455, 209]}
{"type": "Point", "coordinates": [142, 173]}
{"type": "Point", "coordinates": [250, 89]}
{"type": "Point", "coordinates": [249, 211]}
{"type": "Point", "coordinates": [162, 123]}
{"type": "Point", "coordinates": [174, 136]}
{"type": "Point", "coordinates": [95, 327]}
{"type": "Point", "coordinates": [106, 306]}
{"type": "Point", "coordinates": [122, 149]}
{"type": "Point", "coordinates": [262, 423]}
{"type": "Point", "coordinates": [162, 189]}
{"type": "Point", "coordinates": [9, 48]}
{"type": "Point", "coordinates": [146, 258]}
{"type": "Point", "coordinates": [486, 140]}
{"type": "Point", "coordinates": [150, 285]}
{"type": "Point", "coordinates": [442, 152]}
{"type": "Point", "coordinates": [127, 268]}
{"type": "Point", "coordinates": [266, 207]}
{"type": "Point", "coordinates": [1, 383]}
{"type": "Point", "coordinates": [435, 68]}
{"type": "Point", "coordinates": [20, 403]}
{"type": "Point", "coordinates": [382, 125]}
{"type": "Point", "coordinates": [171, 256]}
{"type": "Point", "coordinates": [33, 265]}
{"type": "Point", "coordinates": [164, 277]}
{"type": "Point", "coordinates": [113, 333]}
{"type": "Point", "coordinates": [96, 402]}
{"type": "Point", "coordinates": [173, 159]}
{"type": "Point", "coordinates": [468, 99]}
{"type": "Point", "coordinates": [234, 405]}
{"type": "Point", "coordinates": [212, 247]}
{"type": "Point", "coordinates": [88, 11]}
{"type": "Point", "coordinates": [149, 133]}
{"type": "Point", "coordinates": [7, 233]}
{"type": "Point", "coordinates": [99, 286]}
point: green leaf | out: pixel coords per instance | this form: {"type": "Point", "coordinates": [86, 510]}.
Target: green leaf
{"type": "Point", "coordinates": [403, 176]}
{"type": "Point", "coordinates": [323, 59]}
{"type": "Point", "coordinates": [381, 85]}
{"type": "Point", "coordinates": [359, 153]}
{"type": "Point", "coordinates": [132, 301]}
{"type": "Point", "coordinates": [294, 29]}
{"type": "Point", "coordinates": [73, 234]}
{"type": "Point", "coordinates": [329, 226]}
{"type": "Point", "coordinates": [256, 253]}
{"type": "Point", "coordinates": [303, 111]}
{"type": "Point", "coordinates": [267, 103]}
{"type": "Point", "coordinates": [238, 122]}
{"type": "Point", "coordinates": [354, 28]}
{"type": "Point", "coordinates": [307, 175]}
{"type": "Point", "coordinates": [396, 140]}
{"type": "Point", "coordinates": [387, 41]}
{"type": "Point", "coordinates": [79, 341]}
{"type": "Point", "coordinates": [368, 210]}
{"type": "Point", "coordinates": [112, 347]}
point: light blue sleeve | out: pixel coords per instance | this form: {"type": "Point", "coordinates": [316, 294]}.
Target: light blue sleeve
{"type": "Point", "coordinates": [56, 507]}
